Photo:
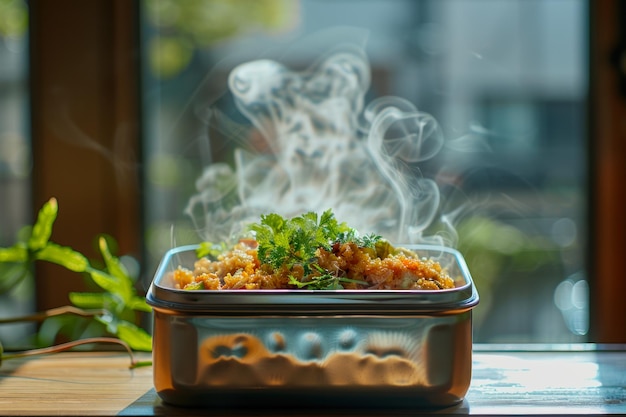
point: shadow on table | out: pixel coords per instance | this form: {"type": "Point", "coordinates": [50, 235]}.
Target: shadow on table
{"type": "Point", "coordinates": [151, 405]}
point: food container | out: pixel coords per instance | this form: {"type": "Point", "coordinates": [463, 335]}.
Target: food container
{"type": "Point", "coordinates": [313, 348]}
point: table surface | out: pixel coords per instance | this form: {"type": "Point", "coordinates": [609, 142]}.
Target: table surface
{"type": "Point", "coordinates": [507, 380]}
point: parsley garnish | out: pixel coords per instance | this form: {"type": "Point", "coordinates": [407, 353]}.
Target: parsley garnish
{"type": "Point", "coordinates": [324, 281]}
{"type": "Point", "coordinates": [284, 243]}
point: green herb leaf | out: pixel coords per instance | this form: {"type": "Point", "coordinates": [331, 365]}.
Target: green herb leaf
{"type": "Point", "coordinates": [90, 300]}
{"type": "Point", "coordinates": [64, 256]}
{"type": "Point", "coordinates": [294, 241]}
{"type": "Point", "coordinates": [326, 281]}
{"type": "Point", "coordinates": [17, 253]}
{"type": "Point", "coordinates": [195, 286]}
{"type": "Point", "coordinates": [116, 279]}
{"type": "Point", "coordinates": [113, 264]}
{"type": "Point", "coordinates": [284, 243]}
{"type": "Point", "coordinates": [136, 337]}
{"type": "Point", "coordinates": [42, 229]}
{"type": "Point", "coordinates": [107, 282]}
{"type": "Point", "coordinates": [137, 303]}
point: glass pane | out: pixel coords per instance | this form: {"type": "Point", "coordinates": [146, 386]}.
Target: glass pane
{"type": "Point", "coordinates": [16, 289]}
{"type": "Point", "coordinates": [494, 94]}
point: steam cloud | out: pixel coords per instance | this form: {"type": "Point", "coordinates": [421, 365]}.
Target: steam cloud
{"type": "Point", "coordinates": [328, 150]}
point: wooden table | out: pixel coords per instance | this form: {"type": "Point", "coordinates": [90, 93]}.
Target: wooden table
{"type": "Point", "coordinates": [507, 380]}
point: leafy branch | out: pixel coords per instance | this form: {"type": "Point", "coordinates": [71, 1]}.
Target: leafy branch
{"type": "Point", "coordinates": [115, 307]}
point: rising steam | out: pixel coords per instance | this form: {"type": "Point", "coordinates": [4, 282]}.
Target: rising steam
{"type": "Point", "coordinates": [328, 150]}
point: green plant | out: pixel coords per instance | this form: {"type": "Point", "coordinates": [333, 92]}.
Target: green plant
{"type": "Point", "coordinates": [116, 307]}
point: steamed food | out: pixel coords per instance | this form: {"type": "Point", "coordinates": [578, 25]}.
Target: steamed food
{"type": "Point", "coordinates": [310, 252]}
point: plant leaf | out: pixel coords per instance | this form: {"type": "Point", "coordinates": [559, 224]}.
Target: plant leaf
{"type": "Point", "coordinates": [136, 337]}
{"type": "Point", "coordinates": [64, 256]}
{"type": "Point", "coordinates": [116, 270]}
{"type": "Point", "coordinates": [90, 300]}
{"type": "Point", "coordinates": [113, 264]}
{"type": "Point", "coordinates": [11, 274]}
{"type": "Point", "coordinates": [139, 304]}
{"type": "Point", "coordinates": [106, 281]}
{"type": "Point", "coordinates": [42, 229]}
{"type": "Point", "coordinates": [15, 253]}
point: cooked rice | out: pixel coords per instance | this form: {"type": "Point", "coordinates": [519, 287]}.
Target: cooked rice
{"type": "Point", "coordinates": [240, 268]}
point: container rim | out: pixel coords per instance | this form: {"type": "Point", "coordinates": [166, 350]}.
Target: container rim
{"type": "Point", "coordinates": [289, 301]}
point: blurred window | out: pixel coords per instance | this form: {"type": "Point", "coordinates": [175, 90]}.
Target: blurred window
{"type": "Point", "coordinates": [15, 159]}
{"type": "Point", "coordinates": [505, 80]}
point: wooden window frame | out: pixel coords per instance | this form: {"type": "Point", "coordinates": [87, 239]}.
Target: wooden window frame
{"type": "Point", "coordinates": [85, 70]}
{"type": "Point", "coordinates": [85, 129]}
{"type": "Point", "coordinates": [607, 161]}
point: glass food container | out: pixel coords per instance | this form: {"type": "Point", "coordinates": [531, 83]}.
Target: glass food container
{"type": "Point", "coordinates": [313, 348]}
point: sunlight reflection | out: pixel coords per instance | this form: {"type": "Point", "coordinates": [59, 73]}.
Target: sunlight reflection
{"type": "Point", "coordinates": [544, 372]}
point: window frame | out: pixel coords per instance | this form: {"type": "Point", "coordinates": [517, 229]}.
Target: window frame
{"type": "Point", "coordinates": [607, 190]}
{"type": "Point", "coordinates": [97, 102]}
